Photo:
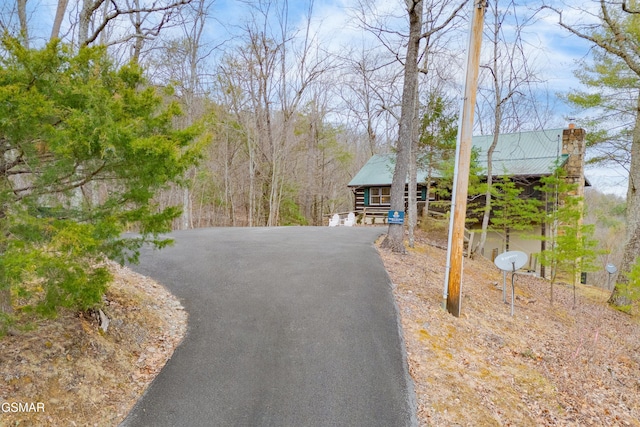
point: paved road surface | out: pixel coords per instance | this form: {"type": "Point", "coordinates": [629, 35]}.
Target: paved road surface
{"type": "Point", "coordinates": [287, 327]}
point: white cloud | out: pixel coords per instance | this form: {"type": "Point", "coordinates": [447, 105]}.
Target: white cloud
{"type": "Point", "coordinates": [611, 180]}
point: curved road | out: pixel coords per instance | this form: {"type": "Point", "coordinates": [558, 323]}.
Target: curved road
{"type": "Point", "coordinates": [287, 327]}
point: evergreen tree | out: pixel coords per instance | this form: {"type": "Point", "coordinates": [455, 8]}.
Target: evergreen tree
{"type": "Point", "coordinates": [437, 144]}
{"type": "Point", "coordinates": [613, 94]}
{"type": "Point", "coordinates": [84, 147]}
{"type": "Point", "coordinates": [571, 248]}
{"type": "Point", "coordinates": [476, 188]}
{"type": "Point", "coordinates": [511, 212]}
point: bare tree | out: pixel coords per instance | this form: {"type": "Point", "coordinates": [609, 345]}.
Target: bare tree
{"type": "Point", "coordinates": [510, 76]}
{"type": "Point", "coordinates": [91, 23]}
{"type": "Point", "coordinates": [438, 16]}
{"type": "Point", "coordinates": [101, 21]}
{"type": "Point", "coordinates": [395, 236]}
{"type": "Point", "coordinates": [368, 95]}
{"type": "Point", "coordinates": [22, 17]}
{"type": "Point", "coordinates": [57, 21]}
{"type": "Point", "coordinates": [408, 116]}
{"type": "Point", "coordinates": [274, 69]}
{"type": "Point", "coordinates": [611, 31]}
{"type": "Point", "coordinates": [184, 57]}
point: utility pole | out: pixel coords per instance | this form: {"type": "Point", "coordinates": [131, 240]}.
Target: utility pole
{"type": "Point", "coordinates": [455, 248]}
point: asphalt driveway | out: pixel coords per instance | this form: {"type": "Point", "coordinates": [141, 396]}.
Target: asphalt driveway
{"type": "Point", "coordinates": [287, 327]}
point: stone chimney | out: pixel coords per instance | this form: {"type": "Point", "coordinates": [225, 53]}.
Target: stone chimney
{"type": "Point", "coordinates": [574, 145]}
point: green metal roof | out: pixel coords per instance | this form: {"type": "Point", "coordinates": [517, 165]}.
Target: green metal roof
{"type": "Point", "coordinates": [534, 153]}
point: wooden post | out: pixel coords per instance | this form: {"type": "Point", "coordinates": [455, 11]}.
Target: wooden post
{"type": "Point", "coordinates": [453, 276]}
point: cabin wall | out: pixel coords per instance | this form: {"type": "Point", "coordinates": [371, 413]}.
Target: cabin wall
{"type": "Point", "coordinates": [523, 241]}
{"type": "Point", "coordinates": [362, 197]}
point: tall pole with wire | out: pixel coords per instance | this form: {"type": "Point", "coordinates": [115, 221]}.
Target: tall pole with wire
{"type": "Point", "coordinates": [453, 273]}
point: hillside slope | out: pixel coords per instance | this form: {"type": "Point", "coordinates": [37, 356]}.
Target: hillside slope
{"type": "Point", "coordinates": [547, 365]}
{"type": "Point", "coordinates": [68, 372]}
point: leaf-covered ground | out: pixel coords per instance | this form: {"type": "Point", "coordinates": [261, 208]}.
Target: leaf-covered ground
{"type": "Point", "coordinates": [548, 365]}
{"type": "Point", "coordinates": [81, 376]}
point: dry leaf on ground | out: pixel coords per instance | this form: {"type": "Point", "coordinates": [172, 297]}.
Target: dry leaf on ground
{"type": "Point", "coordinates": [545, 366]}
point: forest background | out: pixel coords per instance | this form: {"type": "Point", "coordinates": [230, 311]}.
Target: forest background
{"type": "Point", "coordinates": [294, 97]}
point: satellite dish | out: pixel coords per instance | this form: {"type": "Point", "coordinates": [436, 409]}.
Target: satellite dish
{"type": "Point", "coordinates": [511, 260]}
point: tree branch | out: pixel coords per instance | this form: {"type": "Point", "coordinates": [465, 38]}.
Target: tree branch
{"type": "Point", "coordinates": [447, 21]}
{"type": "Point", "coordinates": [118, 12]}
{"type": "Point", "coordinates": [62, 185]}
{"type": "Point", "coordinates": [626, 8]}
{"type": "Point", "coordinates": [609, 45]}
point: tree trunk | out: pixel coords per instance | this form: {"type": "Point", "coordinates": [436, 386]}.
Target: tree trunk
{"type": "Point", "coordinates": [57, 22]}
{"type": "Point", "coordinates": [136, 20]}
{"type": "Point", "coordinates": [425, 210]}
{"type": "Point", "coordinates": [506, 239]}
{"type": "Point", "coordinates": [88, 7]}
{"type": "Point", "coordinates": [413, 201]}
{"type": "Point", "coordinates": [497, 119]}
{"type": "Point", "coordinates": [252, 183]}
{"type": "Point", "coordinates": [186, 208]}
{"type": "Point", "coordinates": [413, 168]}
{"type": "Point", "coordinates": [487, 205]}
{"type": "Point", "coordinates": [632, 246]}
{"type": "Point", "coordinates": [22, 18]}
{"type": "Point", "coordinates": [395, 236]}
{"type": "Point", "coordinates": [311, 176]}
{"type": "Point", "coordinates": [274, 152]}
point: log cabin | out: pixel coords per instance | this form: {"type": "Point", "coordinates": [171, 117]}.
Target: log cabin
{"type": "Point", "coordinates": [525, 157]}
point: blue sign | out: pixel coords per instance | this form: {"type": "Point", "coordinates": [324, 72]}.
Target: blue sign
{"type": "Point", "coordinates": [395, 217]}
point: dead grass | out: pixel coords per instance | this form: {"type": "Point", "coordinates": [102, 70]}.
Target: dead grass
{"type": "Point", "coordinates": [546, 366]}
{"type": "Point", "coordinates": [81, 376]}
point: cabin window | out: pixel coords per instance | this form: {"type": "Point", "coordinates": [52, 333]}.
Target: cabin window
{"type": "Point", "coordinates": [380, 196]}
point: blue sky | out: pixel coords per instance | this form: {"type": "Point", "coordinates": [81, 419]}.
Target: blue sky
{"type": "Point", "coordinates": [555, 52]}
